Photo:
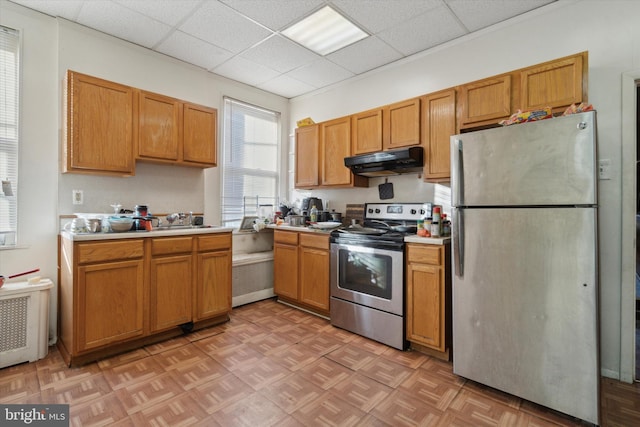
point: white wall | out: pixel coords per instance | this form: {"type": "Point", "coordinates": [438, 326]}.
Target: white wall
{"type": "Point", "coordinates": [49, 48]}
{"type": "Point", "coordinates": [607, 29]}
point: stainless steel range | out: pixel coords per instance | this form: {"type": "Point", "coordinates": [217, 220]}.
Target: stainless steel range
{"type": "Point", "coordinates": [367, 272]}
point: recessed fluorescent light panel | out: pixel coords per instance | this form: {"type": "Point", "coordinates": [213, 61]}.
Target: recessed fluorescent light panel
{"type": "Point", "coordinates": [325, 31]}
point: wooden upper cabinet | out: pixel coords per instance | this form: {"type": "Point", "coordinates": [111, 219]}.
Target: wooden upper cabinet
{"type": "Point", "coordinates": [438, 124]}
{"type": "Point", "coordinates": [176, 131]}
{"type": "Point", "coordinates": [200, 130]}
{"type": "Point", "coordinates": [158, 126]}
{"type": "Point", "coordinates": [556, 84]}
{"type": "Point", "coordinates": [99, 126]}
{"type": "Point", "coordinates": [401, 124]}
{"type": "Point", "coordinates": [366, 132]}
{"type": "Point", "coordinates": [335, 145]}
{"type": "Point", "coordinates": [307, 156]}
{"type": "Point", "coordinates": [487, 100]}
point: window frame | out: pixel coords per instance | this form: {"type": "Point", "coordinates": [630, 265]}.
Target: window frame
{"type": "Point", "coordinates": [10, 144]}
{"type": "Point", "coordinates": [250, 202]}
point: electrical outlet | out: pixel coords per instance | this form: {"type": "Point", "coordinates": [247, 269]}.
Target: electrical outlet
{"type": "Point", "coordinates": [604, 169]}
{"type": "Point", "coordinates": [77, 197]}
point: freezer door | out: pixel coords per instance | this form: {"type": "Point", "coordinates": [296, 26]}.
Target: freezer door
{"type": "Point", "coordinates": [525, 306]}
{"type": "Point", "coordinates": [550, 162]}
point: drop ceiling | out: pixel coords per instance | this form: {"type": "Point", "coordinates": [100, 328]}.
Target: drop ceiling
{"type": "Point", "coordinates": [242, 40]}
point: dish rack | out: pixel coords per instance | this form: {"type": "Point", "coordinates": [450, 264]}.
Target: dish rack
{"type": "Point", "coordinates": [24, 322]}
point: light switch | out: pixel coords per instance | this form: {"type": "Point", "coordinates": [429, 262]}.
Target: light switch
{"type": "Point", "coordinates": [78, 197]}
{"type": "Point", "coordinates": [604, 169]}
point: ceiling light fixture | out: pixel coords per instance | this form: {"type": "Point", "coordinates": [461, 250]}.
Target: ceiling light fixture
{"type": "Point", "coordinates": [325, 31]}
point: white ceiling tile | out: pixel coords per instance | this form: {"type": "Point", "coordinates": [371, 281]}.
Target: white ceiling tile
{"type": "Point", "coordinates": [274, 14]}
{"type": "Point", "coordinates": [286, 86]}
{"type": "Point", "coordinates": [68, 9]}
{"type": "Point", "coordinates": [168, 11]}
{"type": "Point", "coordinates": [476, 15]}
{"type": "Point", "coordinates": [111, 18]}
{"type": "Point", "coordinates": [320, 73]}
{"type": "Point", "coordinates": [245, 71]}
{"type": "Point", "coordinates": [222, 26]}
{"type": "Point", "coordinates": [239, 39]}
{"type": "Point", "coordinates": [424, 31]}
{"type": "Point", "coordinates": [280, 53]}
{"type": "Point", "coordinates": [365, 55]}
{"type": "Point", "coordinates": [194, 51]}
{"type": "Point", "coordinates": [378, 15]}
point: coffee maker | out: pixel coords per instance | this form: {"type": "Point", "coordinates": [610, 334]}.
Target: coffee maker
{"type": "Point", "coordinates": [308, 203]}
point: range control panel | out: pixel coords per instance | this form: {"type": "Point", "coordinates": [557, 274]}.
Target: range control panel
{"type": "Point", "coordinates": [397, 211]}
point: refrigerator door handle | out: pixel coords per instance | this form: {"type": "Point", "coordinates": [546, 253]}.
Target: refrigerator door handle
{"type": "Point", "coordinates": [457, 165]}
{"type": "Point", "coordinates": [458, 244]}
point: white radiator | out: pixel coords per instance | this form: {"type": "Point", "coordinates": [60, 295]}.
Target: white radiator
{"type": "Point", "coordinates": [252, 277]}
{"type": "Point", "coordinates": [24, 322]}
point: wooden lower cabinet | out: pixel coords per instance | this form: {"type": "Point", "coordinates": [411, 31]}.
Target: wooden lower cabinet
{"type": "Point", "coordinates": [170, 285]}
{"type": "Point", "coordinates": [314, 271]}
{"type": "Point", "coordinates": [301, 269]}
{"type": "Point", "coordinates": [117, 295]}
{"type": "Point", "coordinates": [285, 264]}
{"type": "Point", "coordinates": [429, 298]}
{"type": "Point", "coordinates": [111, 296]}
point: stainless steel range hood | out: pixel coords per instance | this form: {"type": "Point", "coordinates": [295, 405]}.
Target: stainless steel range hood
{"type": "Point", "coordinates": [385, 163]}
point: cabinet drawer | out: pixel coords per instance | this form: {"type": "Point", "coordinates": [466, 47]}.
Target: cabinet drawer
{"type": "Point", "coordinates": [109, 251]}
{"type": "Point", "coordinates": [425, 254]}
{"type": "Point", "coordinates": [171, 245]}
{"type": "Point", "coordinates": [288, 237]}
{"type": "Point", "coordinates": [314, 241]}
{"type": "Point", "coordinates": [215, 242]}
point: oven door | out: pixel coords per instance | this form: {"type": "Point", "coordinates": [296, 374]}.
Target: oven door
{"type": "Point", "coordinates": [372, 277]}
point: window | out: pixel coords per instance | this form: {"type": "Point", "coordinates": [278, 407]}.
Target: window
{"type": "Point", "coordinates": [250, 160]}
{"type": "Point", "coordinates": [9, 83]}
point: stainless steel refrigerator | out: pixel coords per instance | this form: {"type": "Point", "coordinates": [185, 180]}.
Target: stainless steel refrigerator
{"type": "Point", "coordinates": [525, 264]}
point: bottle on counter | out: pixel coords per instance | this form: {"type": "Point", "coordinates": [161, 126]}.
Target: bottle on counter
{"type": "Point", "coordinates": [313, 214]}
{"type": "Point", "coordinates": [446, 226]}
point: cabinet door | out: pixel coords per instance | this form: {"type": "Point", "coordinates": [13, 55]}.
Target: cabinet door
{"type": "Point", "coordinates": [335, 145]}
{"type": "Point", "coordinates": [314, 278]}
{"type": "Point", "coordinates": [213, 284]}
{"type": "Point", "coordinates": [487, 100]}
{"type": "Point", "coordinates": [556, 84]}
{"type": "Point", "coordinates": [171, 290]}
{"type": "Point", "coordinates": [425, 305]}
{"type": "Point", "coordinates": [307, 156]}
{"type": "Point", "coordinates": [200, 133]}
{"type": "Point", "coordinates": [158, 127]}
{"type": "Point", "coordinates": [366, 132]}
{"type": "Point", "coordinates": [110, 303]}
{"type": "Point", "coordinates": [285, 270]}
{"type": "Point", "coordinates": [438, 124]}
{"type": "Point", "coordinates": [99, 126]}
{"type": "Point", "coordinates": [402, 124]}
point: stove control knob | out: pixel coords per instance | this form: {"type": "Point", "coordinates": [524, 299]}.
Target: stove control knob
{"type": "Point", "coordinates": [377, 210]}
{"type": "Point", "coordinates": [413, 211]}
{"type": "Point", "coordinates": [370, 210]}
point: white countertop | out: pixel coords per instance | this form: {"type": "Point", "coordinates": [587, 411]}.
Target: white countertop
{"type": "Point", "coordinates": [428, 240]}
{"type": "Point", "coordinates": [409, 239]}
{"type": "Point", "coordinates": [300, 229]}
{"type": "Point", "coordinates": [81, 237]}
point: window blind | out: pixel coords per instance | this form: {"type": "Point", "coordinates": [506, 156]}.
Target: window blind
{"type": "Point", "coordinates": [250, 160]}
{"type": "Point", "coordinates": [9, 133]}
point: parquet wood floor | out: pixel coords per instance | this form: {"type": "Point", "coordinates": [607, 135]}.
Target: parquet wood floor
{"type": "Point", "coordinates": [272, 365]}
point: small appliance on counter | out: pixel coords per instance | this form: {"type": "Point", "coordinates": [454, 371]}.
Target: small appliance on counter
{"type": "Point", "coordinates": [308, 203]}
